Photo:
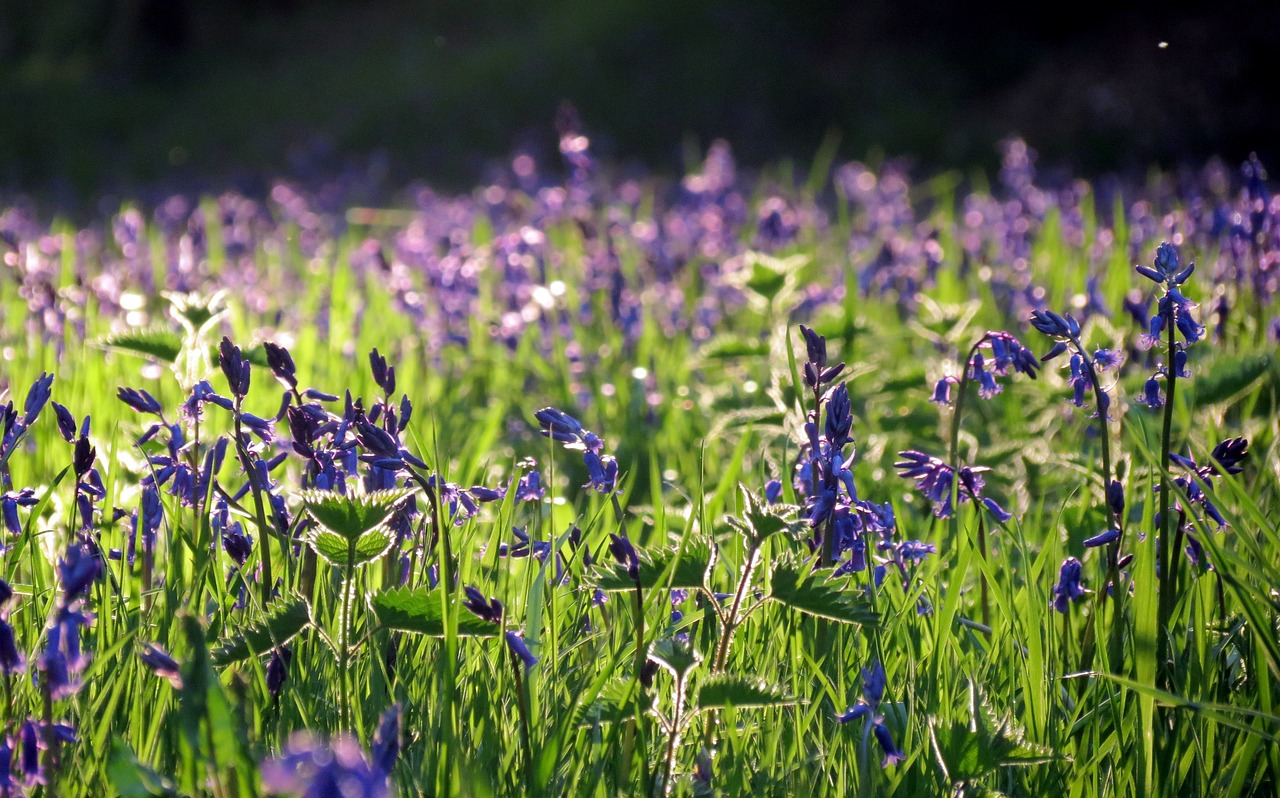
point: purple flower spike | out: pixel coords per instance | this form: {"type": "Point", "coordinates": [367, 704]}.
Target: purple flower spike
{"type": "Point", "coordinates": [625, 553]}
{"type": "Point", "coordinates": [66, 422]}
{"type": "Point", "coordinates": [386, 740]}
{"type": "Point", "coordinates": [485, 609]}
{"type": "Point", "coordinates": [234, 367]}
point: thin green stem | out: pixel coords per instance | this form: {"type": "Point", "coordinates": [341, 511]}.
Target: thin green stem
{"type": "Point", "coordinates": [1167, 560]}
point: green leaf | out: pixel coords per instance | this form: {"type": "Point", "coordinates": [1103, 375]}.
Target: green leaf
{"type": "Point", "coordinates": [132, 779]}
{"type": "Point", "coordinates": [156, 342]}
{"type": "Point", "coordinates": [1229, 377]}
{"type": "Point", "coordinates": [284, 623]}
{"type": "Point", "coordinates": [331, 546]}
{"type": "Point", "coordinates": [685, 569]}
{"type": "Point", "coordinates": [739, 691]}
{"type": "Point", "coordinates": [728, 347]}
{"type": "Point", "coordinates": [372, 545]}
{"type": "Point", "coordinates": [819, 596]}
{"type": "Point", "coordinates": [676, 657]}
{"type": "Point", "coordinates": [418, 610]}
{"type": "Point", "coordinates": [351, 515]}
{"type": "Point", "coordinates": [616, 702]}
{"type": "Point", "coordinates": [212, 742]}
{"type": "Point", "coordinates": [988, 741]}
{"type": "Point", "coordinates": [760, 520]}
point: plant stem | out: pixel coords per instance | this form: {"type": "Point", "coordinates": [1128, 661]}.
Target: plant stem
{"type": "Point", "coordinates": [1167, 560]}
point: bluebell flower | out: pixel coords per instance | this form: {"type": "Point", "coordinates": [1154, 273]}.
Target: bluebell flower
{"type": "Point", "coordinates": [1109, 535]}
{"type": "Point", "coordinates": [278, 669]}
{"type": "Point", "coordinates": [66, 422]}
{"type": "Point", "coordinates": [11, 659]}
{"type": "Point", "coordinates": [942, 390]}
{"type": "Point", "coordinates": [625, 553]}
{"type": "Point", "coordinates": [1068, 588]}
{"type": "Point", "coordinates": [383, 374]}
{"type": "Point", "coordinates": [161, 664]}
{"type": "Point", "coordinates": [10, 501]}
{"type": "Point", "coordinates": [516, 644]}
{"type": "Point", "coordinates": [386, 740]}
{"type": "Point", "coordinates": [281, 364]}
{"type": "Point", "coordinates": [79, 567]}
{"type": "Point", "coordinates": [485, 609]}
{"type": "Point", "coordinates": [32, 771]}
{"type": "Point", "coordinates": [867, 709]}
{"type": "Point", "coordinates": [234, 367]}
{"type": "Point", "coordinates": [1151, 394]}
{"type": "Point", "coordinates": [139, 400]}
{"type": "Point", "coordinates": [529, 488]}
{"type": "Point", "coordinates": [773, 491]}
{"type": "Point", "coordinates": [311, 768]}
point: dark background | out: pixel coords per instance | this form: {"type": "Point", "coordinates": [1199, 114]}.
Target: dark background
{"type": "Point", "coordinates": [126, 95]}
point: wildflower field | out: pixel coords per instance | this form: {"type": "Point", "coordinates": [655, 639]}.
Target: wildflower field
{"type": "Point", "coordinates": [830, 481]}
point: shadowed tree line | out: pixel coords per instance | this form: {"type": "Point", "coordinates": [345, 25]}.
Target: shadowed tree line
{"type": "Point", "coordinates": [116, 92]}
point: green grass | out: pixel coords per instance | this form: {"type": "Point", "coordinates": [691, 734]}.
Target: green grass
{"type": "Point", "coordinates": [1018, 708]}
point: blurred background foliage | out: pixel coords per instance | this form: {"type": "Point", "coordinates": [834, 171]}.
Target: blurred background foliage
{"type": "Point", "coordinates": [120, 95]}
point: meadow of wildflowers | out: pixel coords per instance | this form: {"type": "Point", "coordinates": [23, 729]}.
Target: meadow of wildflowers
{"type": "Point", "coordinates": [841, 485]}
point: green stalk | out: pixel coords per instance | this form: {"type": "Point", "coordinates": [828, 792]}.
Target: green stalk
{"type": "Point", "coordinates": [1167, 560]}
{"type": "Point", "coordinates": [954, 453]}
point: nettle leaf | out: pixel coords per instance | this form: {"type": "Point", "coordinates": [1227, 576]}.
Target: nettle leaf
{"type": "Point", "coordinates": [282, 625]}
{"type": "Point", "coordinates": [331, 546]}
{"type": "Point", "coordinates": [676, 657]}
{"type": "Point", "coordinates": [351, 515]}
{"type": "Point", "coordinates": [155, 342]}
{"type": "Point", "coordinates": [743, 692]}
{"type": "Point", "coordinates": [372, 545]}
{"type": "Point", "coordinates": [761, 520]}
{"type": "Point", "coordinates": [689, 571]}
{"type": "Point", "coordinates": [132, 779]}
{"type": "Point", "coordinates": [619, 700]}
{"type": "Point", "coordinates": [818, 594]}
{"type": "Point", "coordinates": [989, 741]}
{"type": "Point", "coordinates": [728, 347]}
{"type": "Point", "coordinates": [418, 610]}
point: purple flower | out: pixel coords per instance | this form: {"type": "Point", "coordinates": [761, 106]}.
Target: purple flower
{"type": "Point", "coordinates": [517, 646]}
{"type": "Point", "coordinates": [281, 364]}
{"type": "Point", "coordinates": [11, 659]}
{"type": "Point", "coordinates": [32, 772]}
{"type": "Point", "coordinates": [161, 664]}
{"type": "Point", "coordinates": [278, 670]}
{"type": "Point", "coordinates": [1068, 588]}
{"type": "Point", "coordinates": [625, 553]}
{"type": "Point", "coordinates": [234, 367]}
{"type": "Point", "coordinates": [484, 609]}
{"type": "Point", "coordinates": [311, 768]}
{"type": "Point", "coordinates": [1102, 538]}
{"type": "Point", "coordinates": [383, 375]}
{"type": "Point", "coordinates": [139, 400]}
{"type": "Point", "coordinates": [386, 740]}
{"type": "Point", "coordinates": [9, 504]}
{"type": "Point", "coordinates": [942, 390]}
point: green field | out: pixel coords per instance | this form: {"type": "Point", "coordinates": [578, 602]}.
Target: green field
{"type": "Point", "coordinates": [679, 626]}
